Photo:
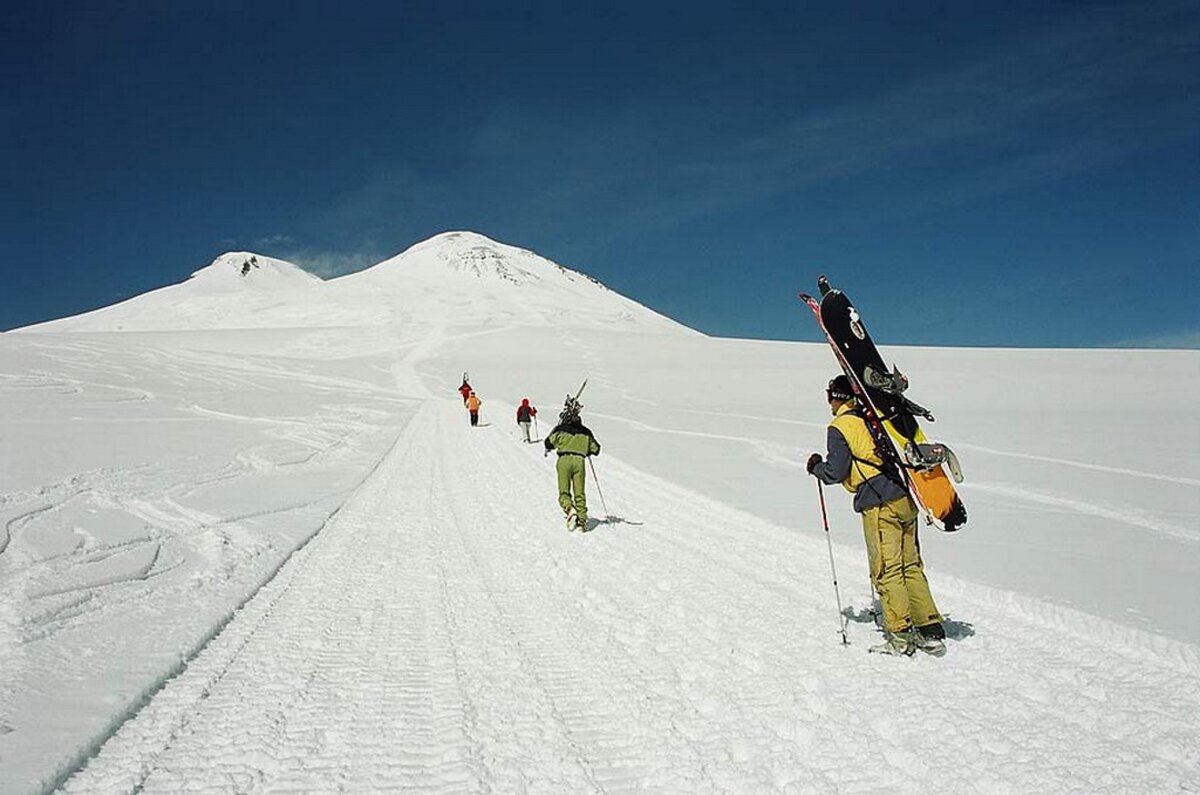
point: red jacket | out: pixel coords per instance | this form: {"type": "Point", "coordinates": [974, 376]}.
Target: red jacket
{"type": "Point", "coordinates": [525, 412]}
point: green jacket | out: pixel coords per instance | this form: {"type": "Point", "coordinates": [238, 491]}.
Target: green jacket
{"type": "Point", "coordinates": [572, 437]}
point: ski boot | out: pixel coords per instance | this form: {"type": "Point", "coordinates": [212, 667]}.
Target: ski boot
{"type": "Point", "coordinates": [898, 644]}
{"type": "Point", "coordinates": [930, 639]}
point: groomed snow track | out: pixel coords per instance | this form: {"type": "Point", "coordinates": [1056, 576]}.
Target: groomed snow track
{"type": "Point", "coordinates": [444, 633]}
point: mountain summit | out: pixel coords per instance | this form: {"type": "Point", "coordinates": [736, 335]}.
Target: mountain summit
{"type": "Point", "coordinates": [459, 277]}
{"type": "Point", "coordinates": [239, 289]}
{"type": "Point", "coordinates": [473, 254]}
{"type": "Point", "coordinates": [240, 270]}
{"type": "Point", "coordinates": [449, 279]}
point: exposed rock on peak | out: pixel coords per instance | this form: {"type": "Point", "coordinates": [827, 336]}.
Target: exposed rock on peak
{"type": "Point", "coordinates": [240, 269]}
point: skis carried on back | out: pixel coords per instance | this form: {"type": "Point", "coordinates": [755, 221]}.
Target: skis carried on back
{"type": "Point", "coordinates": [572, 404]}
{"type": "Point", "coordinates": [891, 417]}
{"type": "Point", "coordinates": [572, 407]}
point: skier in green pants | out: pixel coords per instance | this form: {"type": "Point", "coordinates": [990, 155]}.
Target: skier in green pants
{"type": "Point", "coordinates": [574, 443]}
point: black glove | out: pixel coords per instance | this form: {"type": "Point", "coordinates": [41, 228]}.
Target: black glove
{"type": "Point", "coordinates": [813, 461]}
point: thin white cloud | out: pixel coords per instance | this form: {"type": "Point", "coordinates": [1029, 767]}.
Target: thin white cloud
{"type": "Point", "coordinates": [1029, 112]}
{"type": "Point", "coordinates": [330, 264]}
{"type": "Point", "coordinates": [1040, 108]}
{"type": "Point", "coordinates": [1189, 340]}
{"type": "Point", "coordinates": [275, 241]}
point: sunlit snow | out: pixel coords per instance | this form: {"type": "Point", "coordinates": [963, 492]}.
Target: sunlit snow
{"type": "Point", "coordinates": [248, 542]}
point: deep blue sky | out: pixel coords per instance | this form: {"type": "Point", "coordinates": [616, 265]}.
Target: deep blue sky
{"type": "Point", "coordinates": [1002, 173]}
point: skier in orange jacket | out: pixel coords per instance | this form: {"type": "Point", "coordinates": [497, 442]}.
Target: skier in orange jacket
{"type": "Point", "coordinates": [473, 404]}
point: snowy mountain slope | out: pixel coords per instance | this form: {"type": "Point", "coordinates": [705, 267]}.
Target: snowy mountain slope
{"type": "Point", "coordinates": [1060, 506]}
{"type": "Point", "coordinates": [455, 278]}
{"type": "Point", "coordinates": [439, 635]}
{"type": "Point", "coordinates": [295, 525]}
{"type": "Point", "coordinates": [239, 289]}
{"type": "Point", "coordinates": [466, 279]}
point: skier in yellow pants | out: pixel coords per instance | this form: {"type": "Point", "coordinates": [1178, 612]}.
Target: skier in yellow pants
{"type": "Point", "coordinates": [573, 442]}
{"type": "Point", "coordinates": [910, 618]}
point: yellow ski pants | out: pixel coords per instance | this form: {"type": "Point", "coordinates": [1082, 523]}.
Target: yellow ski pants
{"type": "Point", "coordinates": [572, 474]}
{"type": "Point", "coordinates": [894, 555]}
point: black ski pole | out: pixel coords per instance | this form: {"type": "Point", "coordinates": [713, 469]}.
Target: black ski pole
{"type": "Point", "coordinates": [599, 490]}
{"type": "Point", "coordinates": [875, 614]}
{"type": "Point", "coordinates": [837, 594]}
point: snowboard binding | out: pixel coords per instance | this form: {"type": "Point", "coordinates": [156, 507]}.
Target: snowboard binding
{"type": "Point", "coordinates": [924, 456]}
{"type": "Point", "coordinates": [893, 383]}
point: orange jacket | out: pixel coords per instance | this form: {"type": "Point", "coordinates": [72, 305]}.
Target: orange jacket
{"type": "Point", "coordinates": [473, 403]}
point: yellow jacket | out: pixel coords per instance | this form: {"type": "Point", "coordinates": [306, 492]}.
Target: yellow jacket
{"type": "Point", "coordinates": [854, 462]}
{"type": "Point", "coordinates": [865, 461]}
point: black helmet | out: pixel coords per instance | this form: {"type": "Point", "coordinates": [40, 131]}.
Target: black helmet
{"type": "Point", "coordinates": [839, 389]}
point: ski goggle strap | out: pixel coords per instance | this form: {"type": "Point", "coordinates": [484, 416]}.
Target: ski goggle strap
{"type": "Point", "coordinates": [838, 391]}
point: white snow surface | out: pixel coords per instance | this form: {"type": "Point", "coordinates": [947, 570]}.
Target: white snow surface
{"type": "Point", "coordinates": [251, 544]}
{"type": "Point", "coordinates": [454, 278]}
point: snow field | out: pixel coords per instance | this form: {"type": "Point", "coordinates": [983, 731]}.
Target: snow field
{"type": "Point", "coordinates": [445, 633]}
{"type": "Point", "coordinates": [214, 576]}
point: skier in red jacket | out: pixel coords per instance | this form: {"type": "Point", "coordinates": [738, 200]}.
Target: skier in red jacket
{"type": "Point", "coordinates": [525, 415]}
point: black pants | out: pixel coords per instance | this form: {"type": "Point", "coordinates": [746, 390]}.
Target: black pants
{"type": "Point", "coordinates": [474, 418]}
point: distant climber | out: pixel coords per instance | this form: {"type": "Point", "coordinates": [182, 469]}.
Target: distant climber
{"type": "Point", "coordinates": [573, 442]}
{"type": "Point", "coordinates": [525, 415]}
{"type": "Point", "coordinates": [473, 404]}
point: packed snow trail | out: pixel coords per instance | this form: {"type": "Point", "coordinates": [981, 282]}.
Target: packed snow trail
{"type": "Point", "coordinates": [444, 633]}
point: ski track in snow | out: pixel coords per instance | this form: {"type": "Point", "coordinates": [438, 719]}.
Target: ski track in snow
{"type": "Point", "coordinates": [776, 421]}
{"type": "Point", "coordinates": [766, 451]}
{"type": "Point", "coordinates": [444, 633]}
{"type": "Point", "coordinates": [1081, 465]}
{"type": "Point", "coordinates": [1090, 507]}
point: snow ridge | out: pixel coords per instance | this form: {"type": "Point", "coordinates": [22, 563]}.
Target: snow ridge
{"type": "Point", "coordinates": [476, 255]}
{"type": "Point", "coordinates": [246, 269]}
{"type": "Point", "coordinates": [462, 276]}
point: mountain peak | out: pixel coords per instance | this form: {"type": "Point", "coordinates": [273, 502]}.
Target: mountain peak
{"type": "Point", "coordinates": [470, 254]}
{"type": "Point", "coordinates": [455, 277]}
{"type": "Point", "coordinates": [469, 277]}
{"type": "Point", "coordinates": [241, 269]}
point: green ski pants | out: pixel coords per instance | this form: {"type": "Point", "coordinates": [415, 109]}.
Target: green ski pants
{"type": "Point", "coordinates": [894, 554]}
{"type": "Point", "coordinates": [572, 474]}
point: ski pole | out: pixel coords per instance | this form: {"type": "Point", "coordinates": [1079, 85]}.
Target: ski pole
{"type": "Point", "coordinates": [876, 615]}
{"type": "Point", "coordinates": [837, 594]}
{"type": "Point", "coordinates": [536, 432]}
{"type": "Point", "coordinates": [599, 490]}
